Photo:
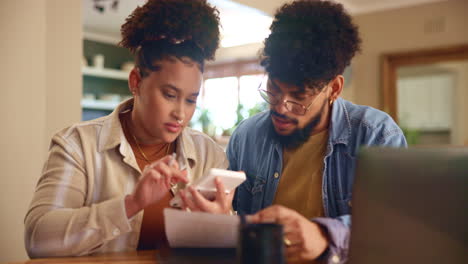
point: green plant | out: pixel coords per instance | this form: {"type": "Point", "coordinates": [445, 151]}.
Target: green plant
{"type": "Point", "coordinates": [240, 116]}
{"type": "Point", "coordinates": [412, 135]}
{"type": "Point", "coordinates": [227, 132]}
{"type": "Point", "coordinates": [243, 113]}
{"type": "Point", "coordinates": [259, 107]}
{"type": "Point", "coordinates": [205, 121]}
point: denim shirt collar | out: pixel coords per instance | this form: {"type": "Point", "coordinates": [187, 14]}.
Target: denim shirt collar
{"type": "Point", "coordinates": [340, 123]}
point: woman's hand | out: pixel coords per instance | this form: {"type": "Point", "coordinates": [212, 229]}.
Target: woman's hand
{"type": "Point", "coordinates": [196, 202]}
{"type": "Point", "coordinates": [154, 184]}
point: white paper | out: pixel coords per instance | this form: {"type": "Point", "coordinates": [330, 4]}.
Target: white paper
{"type": "Point", "coordinates": [199, 230]}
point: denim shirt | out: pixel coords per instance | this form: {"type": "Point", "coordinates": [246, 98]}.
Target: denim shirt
{"type": "Point", "coordinates": [254, 150]}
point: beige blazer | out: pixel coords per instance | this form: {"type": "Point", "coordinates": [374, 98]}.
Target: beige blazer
{"type": "Point", "coordinates": [78, 206]}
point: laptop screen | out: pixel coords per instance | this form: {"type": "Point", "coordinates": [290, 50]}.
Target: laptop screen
{"type": "Point", "coordinates": [410, 206]}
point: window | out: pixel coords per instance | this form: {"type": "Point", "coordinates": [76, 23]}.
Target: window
{"type": "Point", "coordinates": [225, 102]}
{"type": "Point", "coordinates": [249, 96]}
{"type": "Point", "coordinates": [220, 99]}
{"type": "Point", "coordinates": [229, 95]}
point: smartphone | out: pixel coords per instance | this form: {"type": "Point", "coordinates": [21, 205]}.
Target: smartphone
{"type": "Point", "coordinates": [207, 187]}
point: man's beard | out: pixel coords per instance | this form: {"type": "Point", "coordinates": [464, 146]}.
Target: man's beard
{"type": "Point", "coordinates": [298, 136]}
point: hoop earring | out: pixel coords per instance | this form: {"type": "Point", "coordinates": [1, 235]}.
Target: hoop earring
{"type": "Point", "coordinates": [331, 102]}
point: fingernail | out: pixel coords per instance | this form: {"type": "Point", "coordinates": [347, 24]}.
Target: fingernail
{"type": "Point", "coordinates": [172, 159]}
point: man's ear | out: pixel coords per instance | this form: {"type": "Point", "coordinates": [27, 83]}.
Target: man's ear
{"type": "Point", "coordinates": [337, 85]}
{"type": "Point", "coordinates": [134, 80]}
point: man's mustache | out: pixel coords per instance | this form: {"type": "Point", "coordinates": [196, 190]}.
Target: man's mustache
{"type": "Point", "coordinates": [287, 118]}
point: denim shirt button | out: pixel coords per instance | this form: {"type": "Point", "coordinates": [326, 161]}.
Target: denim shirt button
{"type": "Point", "coordinates": [276, 175]}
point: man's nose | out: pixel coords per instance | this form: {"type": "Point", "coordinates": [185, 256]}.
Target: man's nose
{"type": "Point", "coordinates": [281, 107]}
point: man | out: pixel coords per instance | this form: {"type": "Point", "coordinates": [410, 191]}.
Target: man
{"type": "Point", "coordinates": [299, 156]}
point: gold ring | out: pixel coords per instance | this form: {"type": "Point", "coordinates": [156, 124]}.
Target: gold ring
{"type": "Point", "coordinates": [287, 242]}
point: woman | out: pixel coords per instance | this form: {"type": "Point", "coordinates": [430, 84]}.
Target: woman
{"type": "Point", "coordinates": [101, 175]}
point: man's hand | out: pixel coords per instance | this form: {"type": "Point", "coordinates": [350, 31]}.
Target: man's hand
{"type": "Point", "coordinates": [307, 239]}
{"type": "Point", "coordinates": [221, 205]}
{"type": "Point", "coordinates": [154, 184]}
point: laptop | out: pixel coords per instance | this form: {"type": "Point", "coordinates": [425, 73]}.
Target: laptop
{"type": "Point", "coordinates": [410, 206]}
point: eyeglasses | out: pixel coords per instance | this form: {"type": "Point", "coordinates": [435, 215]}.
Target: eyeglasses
{"type": "Point", "coordinates": [293, 107]}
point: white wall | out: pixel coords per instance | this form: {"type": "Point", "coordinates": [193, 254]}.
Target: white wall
{"type": "Point", "coordinates": [64, 50]}
{"type": "Point", "coordinates": [40, 52]}
{"type": "Point", "coordinates": [426, 26]}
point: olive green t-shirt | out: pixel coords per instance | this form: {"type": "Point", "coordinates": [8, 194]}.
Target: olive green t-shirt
{"type": "Point", "coordinates": [300, 186]}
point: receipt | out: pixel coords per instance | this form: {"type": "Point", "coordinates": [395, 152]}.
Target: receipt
{"type": "Point", "coordinates": [198, 230]}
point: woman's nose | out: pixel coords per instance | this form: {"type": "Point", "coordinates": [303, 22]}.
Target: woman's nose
{"type": "Point", "coordinates": [179, 111]}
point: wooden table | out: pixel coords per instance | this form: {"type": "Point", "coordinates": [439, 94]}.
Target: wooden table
{"type": "Point", "coordinates": [164, 256]}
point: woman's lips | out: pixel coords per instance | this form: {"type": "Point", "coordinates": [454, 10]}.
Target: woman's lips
{"type": "Point", "coordinates": [173, 127]}
{"type": "Point", "coordinates": [281, 124]}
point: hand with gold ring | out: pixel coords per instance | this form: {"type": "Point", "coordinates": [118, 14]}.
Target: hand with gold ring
{"type": "Point", "coordinates": [304, 239]}
{"type": "Point", "coordinates": [287, 242]}
{"type": "Point", "coordinates": [154, 184]}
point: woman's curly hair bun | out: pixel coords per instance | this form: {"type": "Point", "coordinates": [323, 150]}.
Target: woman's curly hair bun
{"type": "Point", "coordinates": [173, 21]}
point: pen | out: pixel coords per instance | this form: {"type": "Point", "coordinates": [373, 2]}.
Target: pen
{"type": "Point", "coordinates": [173, 159]}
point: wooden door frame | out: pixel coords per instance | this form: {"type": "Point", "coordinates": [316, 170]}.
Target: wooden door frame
{"type": "Point", "coordinates": [391, 62]}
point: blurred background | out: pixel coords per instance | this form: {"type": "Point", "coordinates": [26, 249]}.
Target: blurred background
{"type": "Point", "coordinates": [61, 65]}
